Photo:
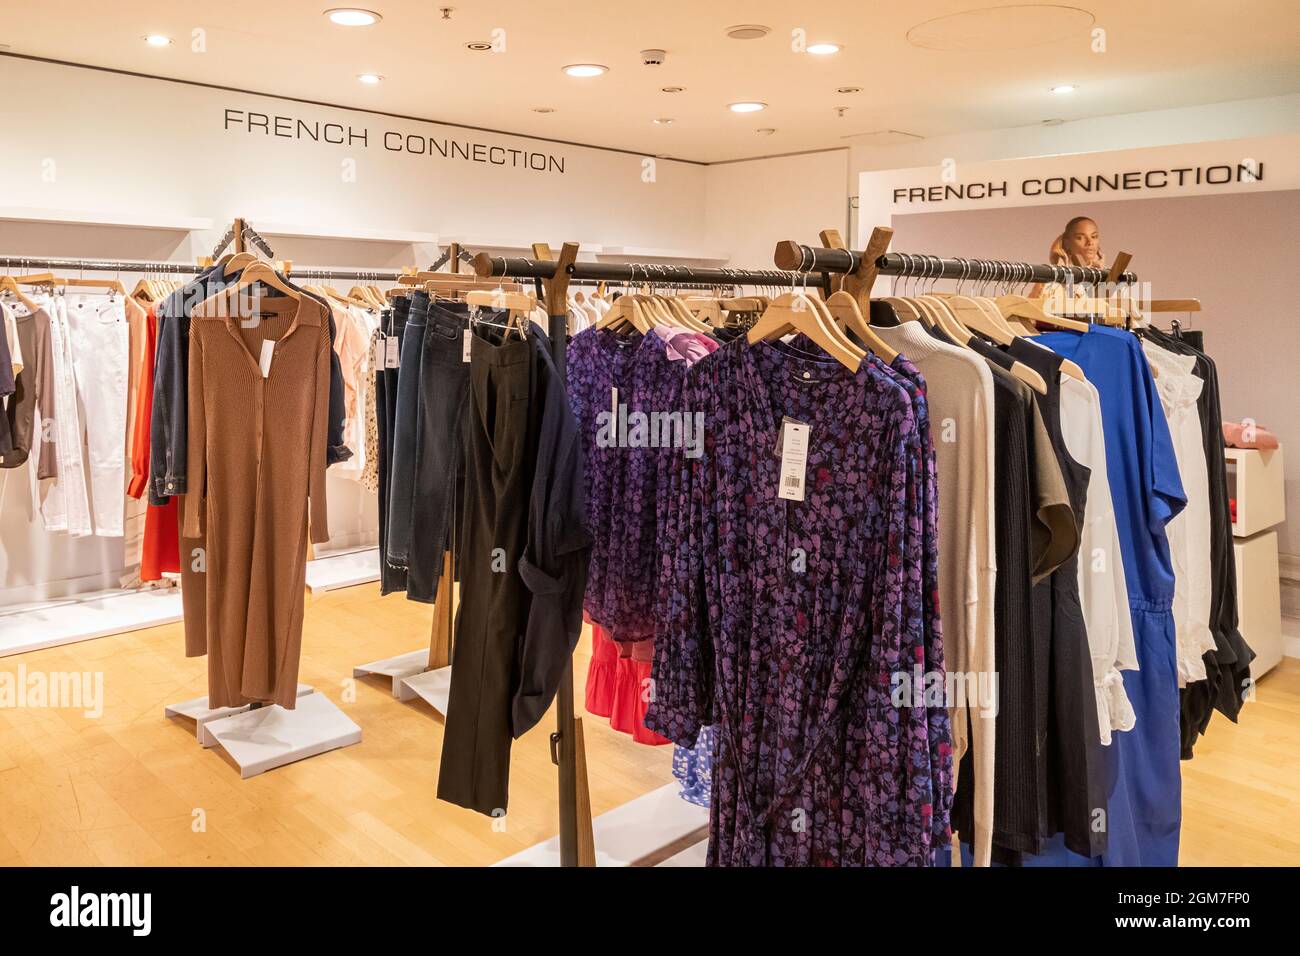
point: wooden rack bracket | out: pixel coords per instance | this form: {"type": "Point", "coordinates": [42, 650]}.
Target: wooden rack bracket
{"type": "Point", "coordinates": [832, 239]}
{"type": "Point", "coordinates": [858, 284]}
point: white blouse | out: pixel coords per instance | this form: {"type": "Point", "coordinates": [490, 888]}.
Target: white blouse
{"type": "Point", "coordinates": [1103, 590]}
{"type": "Point", "coordinates": [1189, 530]}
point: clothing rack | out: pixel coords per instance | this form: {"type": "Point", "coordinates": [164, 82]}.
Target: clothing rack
{"type": "Point", "coordinates": [181, 268]}
{"type": "Point", "coordinates": [860, 269]}
{"type": "Point", "coordinates": [634, 272]}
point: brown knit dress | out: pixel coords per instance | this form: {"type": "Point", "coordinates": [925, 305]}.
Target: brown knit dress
{"type": "Point", "coordinates": [256, 459]}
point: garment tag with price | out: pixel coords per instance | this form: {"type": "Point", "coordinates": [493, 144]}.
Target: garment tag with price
{"type": "Point", "coordinates": [794, 460]}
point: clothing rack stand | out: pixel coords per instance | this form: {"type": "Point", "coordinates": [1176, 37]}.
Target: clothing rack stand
{"type": "Point", "coordinates": [554, 275]}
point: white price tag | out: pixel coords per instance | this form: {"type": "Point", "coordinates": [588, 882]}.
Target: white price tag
{"type": "Point", "coordinates": [794, 461]}
{"type": "Point", "coordinates": [391, 357]}
{"type": "Point", "coordinates": [268, 350]}
{"type": "Point", "coordinates": [464, 352]}
{"type": "Point", "coordinates": [377, 354]}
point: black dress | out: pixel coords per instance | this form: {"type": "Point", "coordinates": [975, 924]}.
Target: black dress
{"type": "Point", "coordinates": [1075, 782]}
{"type": "Point", "coordinates": [1227, 667]}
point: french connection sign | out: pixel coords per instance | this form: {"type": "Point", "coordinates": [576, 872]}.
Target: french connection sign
{"type": "Point", "coordinates": [434, 148]}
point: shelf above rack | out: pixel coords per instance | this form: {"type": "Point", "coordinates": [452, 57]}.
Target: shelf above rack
{"type": "Point", "coordinates": [125, 220]}
{"type": "Point", "coordinates": [642, 253]}
{"type": "Point", "coordinates": [349, 233]}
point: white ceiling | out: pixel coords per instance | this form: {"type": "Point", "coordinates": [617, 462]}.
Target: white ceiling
{"type": "Point", "coordinates": [1158, 54]}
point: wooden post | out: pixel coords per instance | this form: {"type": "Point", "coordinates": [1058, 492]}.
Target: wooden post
{"type": "Point", "coordinates": [832, 239]}
{"type": "Point", "coordinates": [859, 283]}
{"type": "Point", "coordinates": [577, 842]}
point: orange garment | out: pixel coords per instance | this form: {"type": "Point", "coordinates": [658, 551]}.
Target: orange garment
{"type": "Point", "coordinates": [160, 549]}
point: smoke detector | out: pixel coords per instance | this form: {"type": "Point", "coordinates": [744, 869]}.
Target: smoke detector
{"type": "Point", "coordinates": [748, 31]}
{"type": "Point", "coordinates": [653, 57]}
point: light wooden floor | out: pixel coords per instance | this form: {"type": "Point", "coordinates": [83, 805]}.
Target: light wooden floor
{"type": "Point", "coordinates": [124, 789]}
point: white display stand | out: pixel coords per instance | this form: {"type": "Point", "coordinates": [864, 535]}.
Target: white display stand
{"type": "Point", "coordinates": [83, 618]}
{"type": "Point", "coordinates": [695, 855]}
{"type": "Point", "coordinates": [433, 687]}
{"type": "Point", "coordinates": [630, 833]}
{"type": "Point", "coordinates": [331, 571]}
{"type": "Point", "coordinates": [1259, 600]}
{"type": "Point", "coordinates": [198, 711]}
{"type": "Point", "coordinates": [396, 668]}
{"type": "Point", "coordinates": [269, 737]}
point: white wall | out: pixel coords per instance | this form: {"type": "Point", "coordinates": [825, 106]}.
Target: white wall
{"type": "Point", "coordinates": [753, 205]}
{"type": "Point", "coordinates": [110, 145]}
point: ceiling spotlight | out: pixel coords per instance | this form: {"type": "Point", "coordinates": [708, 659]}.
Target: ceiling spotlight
{"type": "Point", "coordinates": [823, 49]}
{"type": "Point", "coordinates": [370, 79]}
{"type": "Point", "coordinates": [585, 69]}
{"type": "Point", "coordinates": [157, 39]}
{"type": "Point", "coordinates": [849, 89]}
{"type": "Point", "coordinates": [748, 31]}
{"type": "Point", "coordinates": [543, 109]}
{"type": "Point", "coordinates": [663, 121]}
{"type": "Point", "coordinates": [352, 17]}
{"type": "Point", "coordinates": [479, 46]}
{"type": "Point", "coordinates": [672, 89]}
{"type": "Point", "coordinates": [1064, 88]}
{"type": "Point", "coordinates": [765, 131]}
{"type": "Point", "coordinates": [747, 107]}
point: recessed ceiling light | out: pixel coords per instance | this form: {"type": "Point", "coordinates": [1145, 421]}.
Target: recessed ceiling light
{"type": "Point", "coordinates": [585, 69]}
{"type": "Point", "coordinates": [748, 107]}
{"type": "Point", "coordinates": [352, 17]}
{"type": "Point", "coordinates": [672, 89]}
{"type": "Point", "coordinates": [823, 49]}
{"type": "Point", "coordinates": [543, 109]}
{"type": "Point", "coordinates": [663, 121]}
{"type": "Point", "coordinates": [157, 39]}
{"type": "Point", "coordinates": [370, 79]}
{"type": "Point", "coordinates": [848, 89]}
{"type": "Point", "coordinates": [748, 31]}
{"type": "Point", "coordinates": [766, 131]}
{"type": "Point", "coordinates": [478, 46]}
{"type": "Point", "coordinates": [1064, 88]}
{"type": "Point", "coordinates": [1053, 122]}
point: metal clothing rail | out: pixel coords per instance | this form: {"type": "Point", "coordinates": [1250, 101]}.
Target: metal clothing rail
{"type": "Point", "coordinates": [182, 268]}
{"type": "Point", "coordinates": [655, 273]}
{"type": "Point", "coordinates": [800, 258]}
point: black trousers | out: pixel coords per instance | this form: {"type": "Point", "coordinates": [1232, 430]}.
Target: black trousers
{"type": "Point", "coordinates": [500, 456]}
{"type": "Point", "coordinates": [390, 578]}
{"type": "Point", "coordinates": [439, 474]}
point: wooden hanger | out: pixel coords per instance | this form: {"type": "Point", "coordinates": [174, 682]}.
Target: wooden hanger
{"type": "Point", "coordinates": [235, 262]}
{"type": "Point", "coordinates": [625, 311]}
{"type": "Point", "coordinates": [257, 271]}
{"type": "Point", "coordinates": [9, 284]}
{"type": "Point", "coordinates": [949, 321]}
{"type": "Point", "coordinates": [112, 285]}
{"type": "Point", "coordinates": [844, 309]}
{"type": "Point", "coordinates": [520, 305]}
{"type": "Point", "coordinates": [796, 311]}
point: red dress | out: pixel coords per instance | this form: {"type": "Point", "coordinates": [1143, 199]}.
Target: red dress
{"type": "Point", "coordinates": [160, 549]}
{"type": "Point", "coordinates": [618, 683]}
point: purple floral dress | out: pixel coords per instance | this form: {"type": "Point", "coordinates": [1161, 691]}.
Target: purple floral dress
{"type": "Point", "coordinates": [621, 499]}
{"type": "Point", "coordinates": [786, 621]}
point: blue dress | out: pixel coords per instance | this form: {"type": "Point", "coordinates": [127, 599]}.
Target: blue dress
{"type": "Point", "coordinates": [1141, 768]}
